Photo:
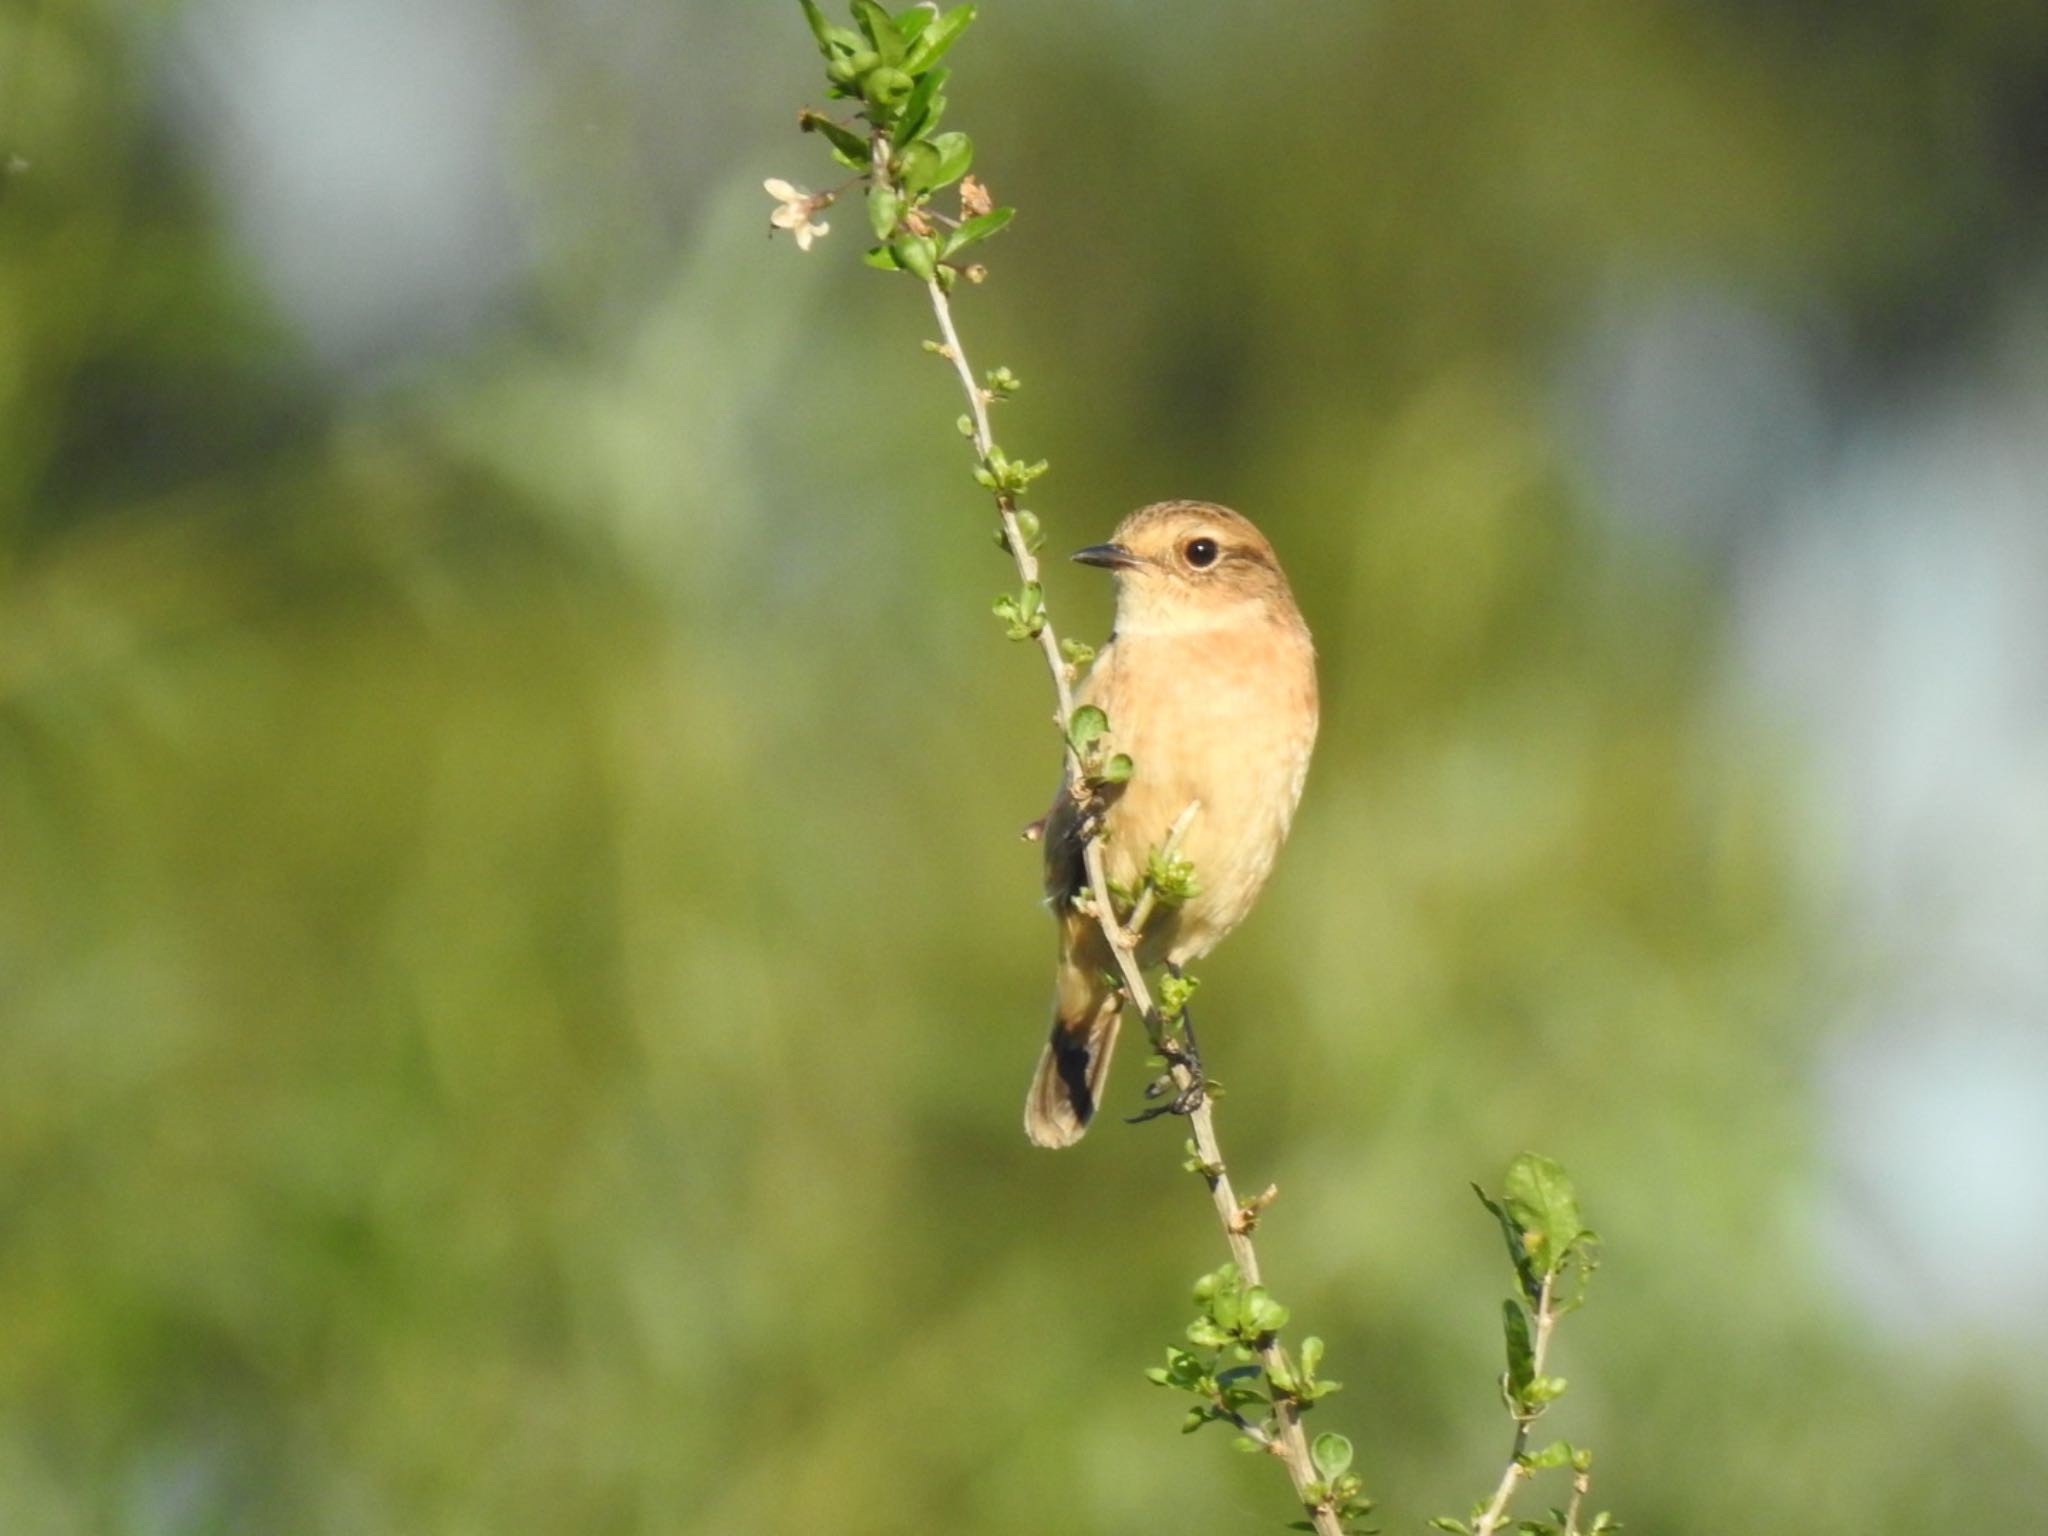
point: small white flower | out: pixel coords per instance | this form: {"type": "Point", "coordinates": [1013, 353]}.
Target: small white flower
{"type": "Point", "coordinates": [795, 213]}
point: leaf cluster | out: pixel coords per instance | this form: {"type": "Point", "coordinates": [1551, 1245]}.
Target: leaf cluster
{"type": "Point", "coordinates": [1022, 612]}
{"type": "Point", "coordinates": [890, 65]}
{"type": "Point", "coordinates": [1336, 1486]}
{"type": "Point", "coordinates": [1172, 879]}
{"type": "Point", "coordinates": [1029, 533]}
{"type": "Point", "coordinates": [999, 472]}
{"type": "Point", "coordinates": [1237, 1374]}
{"type": "Point", "coordinates": [1537, 1212]}
{"type": "Point", "coordinates": [1176, 991]}
{"type": "Point", "coordinates": [1088, 735]}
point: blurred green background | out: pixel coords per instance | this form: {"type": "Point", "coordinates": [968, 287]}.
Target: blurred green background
{"type": "Point", "coordinates": [517, 975]}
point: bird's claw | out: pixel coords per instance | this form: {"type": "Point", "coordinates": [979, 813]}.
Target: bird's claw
{"type": "Point", "coordinates": [1186, 1099]}
{"type": "Point", "coordinates": [1184, 1102]}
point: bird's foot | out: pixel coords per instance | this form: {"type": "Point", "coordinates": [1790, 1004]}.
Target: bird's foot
{"type": "Point", "coordinates": [1183, 1079]}
{"type": "Point", "coordinates": [1185, 1101]}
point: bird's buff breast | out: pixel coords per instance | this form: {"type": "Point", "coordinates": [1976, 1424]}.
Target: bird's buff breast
{"type": "Point", "coordinates": [1224, 716]}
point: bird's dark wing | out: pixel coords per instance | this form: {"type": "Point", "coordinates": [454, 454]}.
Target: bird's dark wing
{"type": "Point", "coordinates": [1065, 873]}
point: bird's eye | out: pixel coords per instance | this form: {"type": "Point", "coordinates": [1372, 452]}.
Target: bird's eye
{"type": "Point", "coordinates": [1201, 553]}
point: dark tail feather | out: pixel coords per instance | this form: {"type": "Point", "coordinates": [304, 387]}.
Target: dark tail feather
{"type": "Point", "coordinates": [1068, 1084]}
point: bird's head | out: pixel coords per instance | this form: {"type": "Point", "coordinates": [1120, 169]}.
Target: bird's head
{"type": "Point", "coordinates": [1189, 565]}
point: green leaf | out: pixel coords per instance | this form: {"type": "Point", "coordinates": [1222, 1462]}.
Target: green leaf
{"type": "Point", "coordinates": [848, 147]}
{"type": "Point", "coordinates": [885, 211]}
{"type": "Point", "coordinates": [1311, 1356]}
{"type": "Point", "coordinates": [1521, 1354]}
{"type": "Point", "coordinates": [1029, 531]}
{"type": "Point", "coordinates": [837, 44]}
{"type": "Point", "coordinates": [917, 254]}
{"type": "Point", "coordinates": [1176, 992]}
{"type": "Point", "coordinates": [1084, 726]}
{"type": "Point", "coordinates": [1262, 1314]}
{"type": "Point", "coordinates": [1077, 652]}
{"type": "Point", "coordinates": [914, 21]}
{"type": "Point", "coordinates": [956, 154]}
{"type": "Point", "coordinates": [916, 167]}
{"type": "Point", "coordinates": [882, 259]}
{"type": "Point", "coordinates": [1331, 1454]}
{"type": "Point", "coordinates": [1220, 1293]}
{"type": "Point", "coordinates": [922, 111]}
{"type": "Point", "coordinates": [977, 229]}
{"type": "Point", "coordinates": [1455, 1527]}
{"type": "Point", "coordinates": [1173, 879]}
{"type": "Point", "coordinates": [820, 28]}
{"type": "Point", "coordinates": [1222, 1278]}
{"type": "Point", "coordinates": [1118, 769]}
{"type": "Point", "coordinates": [1012, 474]}
{"type": "Point", "coordinates": [1022, 612]}
{"type": "Point", "coordinates": [1518, 1252]}
{"type": "Point", "coordinates": [1540, 1199]}
{"type": "Point", "coordinates": [1556, 1454]}
{"type": "Point", "coordinates": [936, 38]}
{"type": "Point", "coordinates": [880, 31]}
{"type": "Point", "coordinates": [886, 88]}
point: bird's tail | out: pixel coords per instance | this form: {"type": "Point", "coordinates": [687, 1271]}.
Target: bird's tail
{"type": "Point", "coordinates": [1068, 1083]}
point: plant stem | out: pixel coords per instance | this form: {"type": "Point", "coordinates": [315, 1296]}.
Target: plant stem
{"type": "Point", "coordinates": [1006, 507]}
{"type": "Point", "coordinates": [1290, 1442]}
{"type": "Point", "coordinates": [1496, 1512]}
{"type": "Point", "coordinates": [1581, 1483]}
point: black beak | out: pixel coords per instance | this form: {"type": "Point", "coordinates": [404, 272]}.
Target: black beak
{"type": "Point", "coordinates": [1111, 557]}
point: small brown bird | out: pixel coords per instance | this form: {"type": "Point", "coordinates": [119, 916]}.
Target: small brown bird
{"type": "Point", "coordinates": [1209, 683]}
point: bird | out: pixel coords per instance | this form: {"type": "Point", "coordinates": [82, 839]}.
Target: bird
{"type": "Point", "coordinates": [1208, 681]}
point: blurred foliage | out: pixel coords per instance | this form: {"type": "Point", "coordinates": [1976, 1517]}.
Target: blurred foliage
{"type": "Point", "coordinates": [515, 969]}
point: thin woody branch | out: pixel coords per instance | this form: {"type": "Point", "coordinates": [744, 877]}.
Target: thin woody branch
{"type": "Point", "coordinates": [1290, 1443]}
{"type": "Point", "coordinates": [1006, 508]}
{"type": "Point", "coordinates": [1541, 1257]}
